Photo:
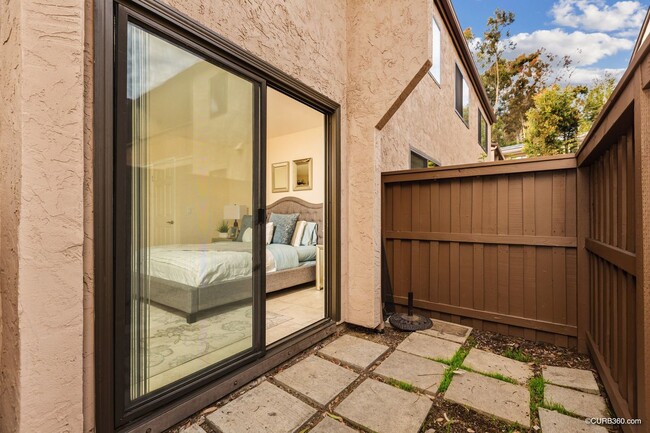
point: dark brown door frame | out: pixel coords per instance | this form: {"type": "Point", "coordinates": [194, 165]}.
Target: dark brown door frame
{"type": "Point", "coordinates": [182, 399]}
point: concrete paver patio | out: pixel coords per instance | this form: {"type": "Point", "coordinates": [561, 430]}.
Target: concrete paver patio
{"type": "Point", "coordinates": [385, 409]}
{"type": "Point", "coordinates": [420, 372]}
{"type": "Point", "coordinates": [354, 351]}
{"type": "Point", "coordinates": [317, 379]}
{"type": "Point", "coordinates": [491, 396]}
{"type": "Point", "coordinates": [489, 363]}
{"type": "Point", "coordinates": [429, 347]}
{"type": "Point", "coordinates": [393, 389]}
{"type": "Point", "coordinates": [265, 408]}
{"type": "Point", "coordinates": [555, 422]}
{"type": "Point", "coordinates": [579, 403]}
{"type": "Point", "coordinates": [582, 380]}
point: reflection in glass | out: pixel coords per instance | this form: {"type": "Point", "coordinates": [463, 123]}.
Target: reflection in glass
{"type": "Point", "coordinates": [295, 287]}
{"type": "Point", "coordinates": [191, 157]}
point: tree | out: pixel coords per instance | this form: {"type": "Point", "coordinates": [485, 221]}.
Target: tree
{"type": "Point", "coordinates": [552, 124]}
{"type": "Point", "coordinates": [511, 81]}
{"type": "Point", "coordinates": [598, 94]}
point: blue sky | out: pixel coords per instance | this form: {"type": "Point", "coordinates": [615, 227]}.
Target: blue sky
{"type": "Point", "coordinates": [597, 34]}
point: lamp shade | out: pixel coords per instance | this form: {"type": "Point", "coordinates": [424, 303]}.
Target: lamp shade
{"type": "Point", "coordinates": [233, 211]}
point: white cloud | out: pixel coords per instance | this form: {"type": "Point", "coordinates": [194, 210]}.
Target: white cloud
{"type": "Point", "coordinates": [597, 15]}
{"type": "Point", "coordinates": [587, 76]}
{"type": "Point", "coordinates": [584, 48]}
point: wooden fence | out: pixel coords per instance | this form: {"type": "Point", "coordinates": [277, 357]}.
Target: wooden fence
{"type": "Point", "coordinates": [550, 249]}
{"type": "Point", "coordinates": [609, 165]}
{"type": "Point", "coordinates": [491, 246]}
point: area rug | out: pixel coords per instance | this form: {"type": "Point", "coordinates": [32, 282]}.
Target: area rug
{"type": "Point", "coordinates": [173, 342]}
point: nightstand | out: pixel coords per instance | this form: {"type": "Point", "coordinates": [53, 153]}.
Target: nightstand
{"type": "Point", "coordinates": [320, 267]}
{"type": "Point", "coordinates": [222, 240]}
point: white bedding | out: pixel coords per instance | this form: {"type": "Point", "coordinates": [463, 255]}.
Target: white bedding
{"type": "Point", "coordinates": [202, 265]}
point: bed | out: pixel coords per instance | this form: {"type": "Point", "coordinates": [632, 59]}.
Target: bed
{"type": "Point", "coordinates": [193, 279]}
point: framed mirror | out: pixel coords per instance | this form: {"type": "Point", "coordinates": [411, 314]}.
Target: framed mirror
{"type": "Point", "coordinates": [280, 176]}
{"type": "Point", "coordinates": [302, 174]}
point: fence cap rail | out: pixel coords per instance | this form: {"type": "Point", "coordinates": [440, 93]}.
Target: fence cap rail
{"type": "Point", "coordinates": [544, 163]}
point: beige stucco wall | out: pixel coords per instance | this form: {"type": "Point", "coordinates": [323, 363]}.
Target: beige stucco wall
{"type": "Point", "coordinates": [428, 122]}
{"type": "Point", "coordinates": [10, 187]}
{"type": "Point", "coordinates": [366, 55]}
{"type": "Point", "coordinates": [42, 140]}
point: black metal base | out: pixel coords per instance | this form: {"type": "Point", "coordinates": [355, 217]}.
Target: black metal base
{"type": "Point", "coordinates": [405, 322]}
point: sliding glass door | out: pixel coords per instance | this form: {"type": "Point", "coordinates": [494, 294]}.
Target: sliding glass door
{"type": "Point", "coordinates": [216, 199]}
{"type": "Point", "coordinates": [186, 149]}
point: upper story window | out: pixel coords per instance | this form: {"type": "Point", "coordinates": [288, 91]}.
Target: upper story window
{"type": "Point", "coordinates": [462, 97]}
{"type": "Point", "coordinates": [420, 160]}
{"type": "Point", "coordinates": [482, 131]}
{"type": "Point", "coordinates": [435, 54]}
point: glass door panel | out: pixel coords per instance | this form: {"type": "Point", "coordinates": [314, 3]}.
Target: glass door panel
{"type": "Point", "coordinates": [189, 156]}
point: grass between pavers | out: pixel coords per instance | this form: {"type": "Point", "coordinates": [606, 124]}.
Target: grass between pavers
{"type": "Point", "coordinates": [405, 386]}
{"type": "Point", "coordinates": [497, 376]}
{"type": "Point", "coordinates": [453, 364]}
{"type": "Point", "coordinates": [517, 355]}
{"type": "Point", "coordinates": [536, 387]}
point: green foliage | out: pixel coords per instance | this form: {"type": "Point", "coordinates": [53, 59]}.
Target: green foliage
{"type": "Point", "coordinates": [517, 355]}
{"type": "Point", "coordinates": [557, 408]}
{"type": "Point", "coordinates": [401, 385]}
{"type": "Point", "coordinates": [511, 81]}
{"type": "Point", "coordinates": [223, 227]}
{"type": "Point", "coordinates": [598, 94]}
{"type": "Point", "coordinates": [454, 364]}
{"type": "Point", "coordinates": [552, 124]}
{"type": "Point", "coordinates": [536, 387]}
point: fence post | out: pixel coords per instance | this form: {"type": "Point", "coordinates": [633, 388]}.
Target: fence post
{"type": "Point", "coordinates": [583, 227]}
{"type": "Point", "coordinates": [642, 212]}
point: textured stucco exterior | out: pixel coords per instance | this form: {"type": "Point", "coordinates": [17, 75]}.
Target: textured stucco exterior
{"type": "Point", "coordinates": [10, 160]}
{"type": "Point", "coordinates": [371, 57]}
{"type": "Point", "coordinates": [43, 160]}
{"type": "Point", "coordinates": [427, 120]}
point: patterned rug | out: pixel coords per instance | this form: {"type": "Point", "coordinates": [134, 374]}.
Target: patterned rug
{"type": "Point", "coordinates": [173, 342]}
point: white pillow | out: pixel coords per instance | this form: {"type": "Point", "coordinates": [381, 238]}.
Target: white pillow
{"type": "Point", "coordinates": [248, 235]}
{"type": "Point", "coordinates": [297, 233]}
{"type": "Point", "coordinates": [269, 232]}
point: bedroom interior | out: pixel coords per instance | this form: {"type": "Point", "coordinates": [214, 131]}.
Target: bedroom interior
{"type": "Point", "coordinates": [193, 239]}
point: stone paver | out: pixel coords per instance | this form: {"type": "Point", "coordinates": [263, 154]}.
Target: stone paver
{"type": "Point", "coordinates": [486, 362]}
{"type": "Point", "coordinates": [428, 347]}
{"type": "Point", "coordinates": [328, 425]}
{"type": "Point", "coordinates": [491, 396]}
{"type": "Point", "coordinates": [354, 351]}
{"type": "Point", "coordinates": [317, 379]}
{"type": "Point", "coordinates": [265, 408]}
{"type": "Point", "coordinates": [554, 422]}
{"type": "Point", "coordinates": [384, 409]}
{"type": "Point", "coordinates": [194, 428]}
{"type": "Point", "coordinates": [580, 403]}
{"type": "Point", "coordinates": [419, 372]}
{"type": "Point", "coordinates": [582, 380]}
{"type": "Point", "coordinates": [448, 331]}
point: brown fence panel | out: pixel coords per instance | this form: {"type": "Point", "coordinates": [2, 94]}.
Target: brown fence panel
{"type": "Point", "coordinates": [492, 246]}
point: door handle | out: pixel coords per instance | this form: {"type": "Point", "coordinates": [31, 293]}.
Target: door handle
{"type": "Point", "coordinates": [170, 222]}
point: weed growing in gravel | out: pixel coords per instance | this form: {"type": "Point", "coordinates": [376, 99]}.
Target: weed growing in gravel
{"type": "Point", "coordinates": [536, 386]}
{"type": "Point", "coordinates": [517, 355]}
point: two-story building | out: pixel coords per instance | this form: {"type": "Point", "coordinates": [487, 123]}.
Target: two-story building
{"type": "Point", "coordinates": [190, 190]}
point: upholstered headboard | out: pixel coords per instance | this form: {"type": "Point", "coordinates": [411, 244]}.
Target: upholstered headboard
{"type": "Point", "coordinates": [308, 212]}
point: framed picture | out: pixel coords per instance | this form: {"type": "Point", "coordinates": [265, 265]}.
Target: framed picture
{"type": "Point", "coordinates": [302, 174]}
{"type": "Point", "coordinates": [280, 177]}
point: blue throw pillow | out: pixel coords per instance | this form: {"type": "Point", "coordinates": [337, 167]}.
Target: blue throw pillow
{"type": "Point", "coordinates": [310, 234]}
{"type": "Point", "coordinates": [246, 222]}
{"type": "Point", "coordinates": [284, 224]}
